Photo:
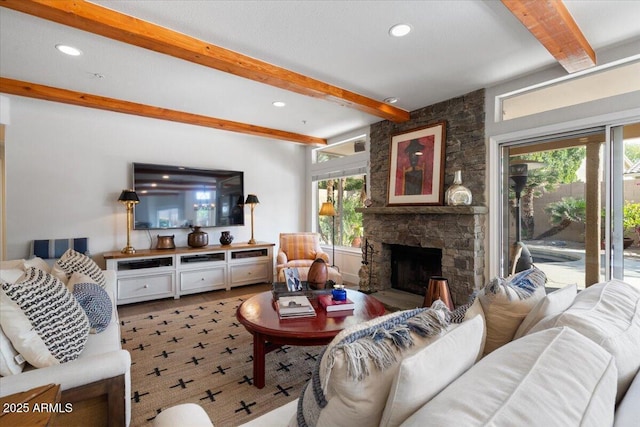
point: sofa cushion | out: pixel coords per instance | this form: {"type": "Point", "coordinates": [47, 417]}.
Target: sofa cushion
{"type": "Point", "coordinates": [72, 261]}
{"type": "Point", "coordinates": [609, 314]}
{"type": "Point", "coordinates": [441, 362]}
{"type": "Point", "coordinates": [507, 301]}
{"type": "Point", "coordinates": [94, 300]}
{"type": "Point", "coordinates": [42, 319]}
{"type": "Point", "coordinates": [351, 382]}
{"type": "Point", "coordinates": [8, 363]}
{"type": "Point", "coordinates": [552, 304]}
{"type": "Point", "coordinates": [538, 380]}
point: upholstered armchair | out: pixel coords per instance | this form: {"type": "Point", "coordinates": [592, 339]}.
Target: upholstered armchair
{"type": "Point", "coordinates": [299, 250]}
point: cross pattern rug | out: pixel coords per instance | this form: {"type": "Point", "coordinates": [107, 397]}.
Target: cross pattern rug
{"type": "Point", "coordinates": [201, 354]}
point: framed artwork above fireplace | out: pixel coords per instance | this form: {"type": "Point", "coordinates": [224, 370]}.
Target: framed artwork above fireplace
{"type": "Point", "coordinates": [416, 166]}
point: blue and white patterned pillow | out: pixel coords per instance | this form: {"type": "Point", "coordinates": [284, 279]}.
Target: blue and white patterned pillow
{"type": "Point", "coordinates": [75, 262]}
{"type": "Point", "coordinates": [96, 303]}
{"type": "Point", "coordinates": [42, 319]}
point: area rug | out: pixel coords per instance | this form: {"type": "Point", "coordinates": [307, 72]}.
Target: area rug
{"type": "Point", "coordinates": [201, 354]}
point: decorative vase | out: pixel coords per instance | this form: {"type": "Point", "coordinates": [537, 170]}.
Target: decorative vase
{"type": "Point", "coordinates": [197, 238]}
{"type": "Point", "coordinates": [458, 194]}
{"type": "Point", "coordinates": [318, 274]}
{"type": "Point", "coordinates": [438, 290]}
{"type": "Point", "coordinates": [226, 238]}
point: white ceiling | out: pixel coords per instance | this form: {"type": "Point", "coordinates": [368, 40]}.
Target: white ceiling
{"type": "Point", "coordinates": [455, 47]}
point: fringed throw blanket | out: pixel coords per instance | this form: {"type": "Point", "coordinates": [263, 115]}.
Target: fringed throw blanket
{"type": "Point", "coordinates": [356, 370]}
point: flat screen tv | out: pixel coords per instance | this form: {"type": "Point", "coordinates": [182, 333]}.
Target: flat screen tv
{"type": "Point", "coordinates": [182, 197]}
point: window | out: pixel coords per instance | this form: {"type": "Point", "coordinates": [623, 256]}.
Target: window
{"type": "Point", "coordinates": [339, 175]}
{"type": "Point", "coordinates": [346, 194]}
{"type": "Point", "coordinates": [570, 91]}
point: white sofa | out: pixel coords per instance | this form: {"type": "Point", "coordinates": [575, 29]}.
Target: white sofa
{"type": "Point", "coordinates": [100, 374]}
{"type": "Point", "coordinates": [565, 360]}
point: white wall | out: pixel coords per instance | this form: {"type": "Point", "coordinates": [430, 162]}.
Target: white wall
{"type": "Point", "coordinates": [66, 166]}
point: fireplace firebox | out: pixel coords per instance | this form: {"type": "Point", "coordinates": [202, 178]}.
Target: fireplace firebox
{"type": "Point", "coordinates": [412, 267]}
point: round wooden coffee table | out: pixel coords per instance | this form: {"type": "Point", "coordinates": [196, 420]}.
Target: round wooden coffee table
{"type": "Point", "coordinates": [260, 318]}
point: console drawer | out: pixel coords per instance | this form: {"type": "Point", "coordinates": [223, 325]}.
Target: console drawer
{"type": "Point", "coordinates": [213, 278]}
{"type": "Point", "coordinates": [243, 274]}
{"type": "Point", "coordinates": [131, 289]}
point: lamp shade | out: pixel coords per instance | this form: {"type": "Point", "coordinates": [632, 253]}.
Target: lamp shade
{"type": "Point", "coordinates": [252, 199]}
{"type": "Point", "coordinates": [327, 209]}
{"type": "Point", "coordinates": [128, 196]}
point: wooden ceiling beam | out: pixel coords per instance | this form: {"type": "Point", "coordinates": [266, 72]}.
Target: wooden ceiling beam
{"type": "Point", "coordinates": [48, 93]}
{"type": "Point", "coordinates": [552, 24]}
{"type": "Point", "coordinates": [127, 29]}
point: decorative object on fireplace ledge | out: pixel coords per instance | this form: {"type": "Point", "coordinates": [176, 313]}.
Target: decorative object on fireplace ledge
{"type": "Point", "coordinates": [438, 290]}
{"type": "Point", "coordinates": [416, 166]}
{"type": "Point", "coordinates": [129, 198]}
{"type": "Point", "coordinates": [457, 194]}
{"type": "Point", "coordinates": [197, 238]}
{"type": "Point", "coordinates": [226, 238]}
{"type": "Point", "coordinates": [252, 201]}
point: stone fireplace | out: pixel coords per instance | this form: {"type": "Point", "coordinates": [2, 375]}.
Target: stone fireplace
{"type": "Point", "coordinates": [455, 233]}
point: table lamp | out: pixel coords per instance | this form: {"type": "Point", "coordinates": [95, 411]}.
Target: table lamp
{"type": "Point", "coordinates": [128, 198]}
{"type": "Point", "coordinates": [252, 200]}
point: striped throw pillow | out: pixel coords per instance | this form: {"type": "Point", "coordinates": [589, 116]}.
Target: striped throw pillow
{"type": "Point", "coordinates": [42, 319]}
{"type": "Point", "coordinates": [75, 262]}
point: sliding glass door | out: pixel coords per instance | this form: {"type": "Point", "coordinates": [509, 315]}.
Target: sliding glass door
{"type": "Point", "coordinates": [567, 204]}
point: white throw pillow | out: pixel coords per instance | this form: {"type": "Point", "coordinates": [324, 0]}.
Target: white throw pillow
{"type": "Point", "coordinates": [8, 363]}
{"type": "Point", "coordinates": [425, 374]}
{"type": "Point", "coordinates": [37, 263]}
{"type": "Point", "coordinates": [41, 318]}
{"type": "Point", "coordinates": [71, 262]}
{"type": "Point", "coordinates": [12, 264]}
{"type": "Point", "coordinates": [609, 314]}
{"type": "Point", "coordinates": [554, 303]}
{"type": "Point", "coordinates": [506, 302]}
{"type": "Point", "coordinates": [11, 275]}
{"type": "Point", "coordinates": [553, 378]}
{"type": "Point", "coordinates": [351, 383]}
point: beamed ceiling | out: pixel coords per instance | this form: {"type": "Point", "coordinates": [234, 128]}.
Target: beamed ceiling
{"type": "Point", "coordinates": [221, 64]}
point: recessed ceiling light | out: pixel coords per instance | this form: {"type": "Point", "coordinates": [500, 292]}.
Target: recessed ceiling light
{"type": "Point", "coordinates": [69, 50]}
{"type": "Point", "coordinates": [391, 100]}
{"type": "Point", "coordinates": [400, 30]}
{"type": "Point", "coordinates": [279, 104]}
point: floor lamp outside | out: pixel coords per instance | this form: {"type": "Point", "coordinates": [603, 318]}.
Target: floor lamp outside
{"type": "Point", "coordinates": [327, 209]}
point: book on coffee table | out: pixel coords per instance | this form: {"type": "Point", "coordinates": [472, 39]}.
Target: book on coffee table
{"type": "Point", "coordinates": [295, 306]}
{"type": "Point", "coordinates": [330, 304]}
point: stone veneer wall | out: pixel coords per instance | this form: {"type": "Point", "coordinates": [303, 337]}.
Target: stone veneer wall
{"type": "Point", "coordinates": [458, 230]}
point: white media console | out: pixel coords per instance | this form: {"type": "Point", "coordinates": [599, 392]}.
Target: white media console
{"type": "Point", "coordinates": [161, 273]}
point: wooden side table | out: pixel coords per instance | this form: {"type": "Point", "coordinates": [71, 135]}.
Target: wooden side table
{"type": "Point", "coordinates": [34, 408]}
